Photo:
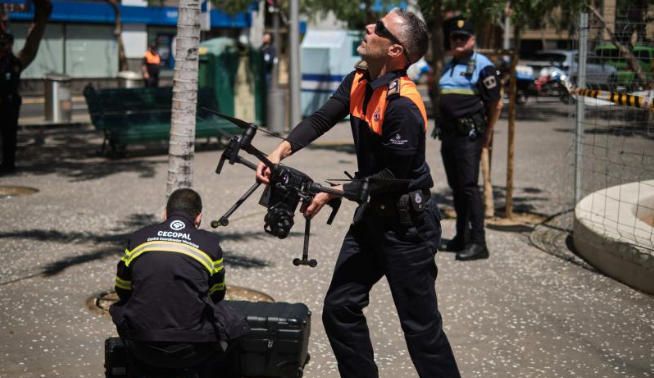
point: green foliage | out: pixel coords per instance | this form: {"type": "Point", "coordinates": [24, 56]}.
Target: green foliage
{"type": "Point", "coordinates": [231, 6]}
{"type": "Point", "coordinates": [355, 14]}
{"type": "Point", "coordinates": [524, 13]}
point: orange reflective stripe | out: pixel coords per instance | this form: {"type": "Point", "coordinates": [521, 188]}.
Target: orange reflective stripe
{"type": "Point", "coordinates": [377, 104]}
{"type": "Point", "coordinates": [151, 58]}
{"type": "Point", "coordinates": [357, 94]}
{"type": "Point", "coordinates": [374, 118]}
{"type": "Point", "coordinates": [408, 89]}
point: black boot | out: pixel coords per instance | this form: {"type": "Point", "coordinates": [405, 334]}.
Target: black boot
{"type": "Point", "coordinates": [473, 251]}
{"type": "Point", "coordinates": [454, 245]}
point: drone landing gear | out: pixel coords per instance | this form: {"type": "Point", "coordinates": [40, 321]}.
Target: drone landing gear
{"type": "Point", "coordinates": [305, 250]}
{"type": "Point", "coordinates": [224, 220]}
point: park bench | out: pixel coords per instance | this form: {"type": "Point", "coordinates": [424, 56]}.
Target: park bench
{"type": "Point", "coordinates": [138, 115]}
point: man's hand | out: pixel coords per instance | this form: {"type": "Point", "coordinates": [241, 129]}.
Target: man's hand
{"type": "Point", "coordinates": [263, 171]}
{"type": "Point", "coordinates": [319, 200]}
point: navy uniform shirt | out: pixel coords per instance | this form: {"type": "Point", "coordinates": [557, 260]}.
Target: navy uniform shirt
{"type": "Point", "coordinates": [388, 122]}
{"type": "Point", "coordinates": [169, 280]}
{"type": "Point", "coordinates": [467, 86]}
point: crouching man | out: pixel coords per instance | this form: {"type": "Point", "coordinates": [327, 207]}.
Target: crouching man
{"type": "Point", "coordinates": [171, 285]}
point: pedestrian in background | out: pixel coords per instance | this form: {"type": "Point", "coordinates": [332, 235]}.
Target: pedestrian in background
{"type": "Point", "coordinates": [269, 52]}
{"type": "Point", "coordinates": [150, 66]}
{"type": "Point", "coordinates": [11, 66]}
{"type": "Point", "coordinates": [470, 104]}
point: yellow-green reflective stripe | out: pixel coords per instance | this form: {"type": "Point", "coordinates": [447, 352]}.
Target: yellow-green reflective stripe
{"type": "Point", "coordinates": [126, 256]}
{"type": "Point", "coordinates": [217, 287]}
{"type": "Point", "coordinates": [217, 266]}
{"type": "Point", "coordinates": [123, 284]}
{"type": "Point", "coordinates": [458, 91]}
{"type": "Point", "coordinates": [162, 246]}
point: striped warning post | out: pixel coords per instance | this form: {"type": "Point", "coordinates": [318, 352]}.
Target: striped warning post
{"type": "Point", "coordinates": [618, 98]}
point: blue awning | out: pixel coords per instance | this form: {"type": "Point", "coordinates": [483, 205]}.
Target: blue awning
{"type": "Point", "coordinates": [102, 13]}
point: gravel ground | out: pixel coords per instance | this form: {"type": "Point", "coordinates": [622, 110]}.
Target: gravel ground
{"type": "Point", "coordinates": [521, 313]}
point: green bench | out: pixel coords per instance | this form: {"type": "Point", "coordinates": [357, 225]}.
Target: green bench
{"type": "Point", "coordinates": [136, 115]}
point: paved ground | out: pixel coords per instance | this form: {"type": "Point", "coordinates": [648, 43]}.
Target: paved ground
{"type": "Point", "coordinates": [522, 313]}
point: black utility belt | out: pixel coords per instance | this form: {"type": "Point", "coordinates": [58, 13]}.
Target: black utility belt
{"type": "Point", "coordinates": [403, 207]}
{"type": "Point", "coordinates": [468, 125]}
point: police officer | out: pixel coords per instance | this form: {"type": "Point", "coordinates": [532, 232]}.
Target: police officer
{"type": "Point", "coordinates": [171, 285]}
{"type": "Point", "coordinates": [396, 233]}
{"type": "Point", "coordinates": [469, 107]}
{"type": "Point", "coordinates": [11, 67]}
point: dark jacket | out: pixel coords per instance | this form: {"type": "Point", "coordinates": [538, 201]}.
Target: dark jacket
{"type": "Point", "coordinates": [388, 121]}
{"type": "Point", "coordinates": [170, 281]}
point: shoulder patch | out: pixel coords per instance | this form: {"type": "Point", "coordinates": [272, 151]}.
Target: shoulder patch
{"type": "Point", "coordinates": [490, 82]}
{"type": "Point", "coordinates": [393, 87]}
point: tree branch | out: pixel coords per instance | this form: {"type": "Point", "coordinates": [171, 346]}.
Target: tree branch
{"type": "Point", "coordinates": [625, 51]}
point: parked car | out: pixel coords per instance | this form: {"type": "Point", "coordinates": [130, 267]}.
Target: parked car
{"type": "Point", "coordinates": [625, 77]}
{"type": "Point", "coordinates": [598, 74]}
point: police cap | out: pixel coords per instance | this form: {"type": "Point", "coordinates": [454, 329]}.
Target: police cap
{"type": "Point", "coordinates": [462, 26]}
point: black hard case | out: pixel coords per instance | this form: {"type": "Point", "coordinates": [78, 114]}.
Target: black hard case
{"type": "Point", "coordinates": [277, 344]}
{"type": "Point", "coordinates": [115, 358]}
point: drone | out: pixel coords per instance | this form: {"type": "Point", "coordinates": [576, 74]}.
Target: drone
{"type": "Point", "coordinates": [287, 189]}
{"type": "Point", "coordinates": [290, 187]}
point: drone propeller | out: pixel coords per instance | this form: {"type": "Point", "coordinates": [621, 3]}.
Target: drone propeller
{"type": "Point", "coordinates": [239, 122]}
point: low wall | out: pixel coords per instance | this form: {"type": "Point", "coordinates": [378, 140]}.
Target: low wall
{"type": "Point", "coordinates": [610, 231]}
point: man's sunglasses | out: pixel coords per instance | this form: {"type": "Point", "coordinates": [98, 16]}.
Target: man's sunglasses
{"type": "Point", "coordinates": [382, 31]}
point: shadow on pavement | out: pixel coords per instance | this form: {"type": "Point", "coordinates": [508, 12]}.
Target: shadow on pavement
{"type": "Point", "coordinates": [615, 121]}
{"type": "Point", "coordinates": [75, 152]}
{"type": "Point", "coordinates": [539, 109]}
{"type": "Point", "coordinates": [522, 204]}
{"type": "Point", "coordinates": [111, 244]}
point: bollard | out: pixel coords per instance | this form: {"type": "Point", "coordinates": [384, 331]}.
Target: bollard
{"type": "Point", "coordinates": [276, 110]}
{"type": "Point", "coordinates": [58, 99]}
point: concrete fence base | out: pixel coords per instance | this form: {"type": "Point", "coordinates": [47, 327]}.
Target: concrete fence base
{"type": "Point", "coordinates": [610, 233]}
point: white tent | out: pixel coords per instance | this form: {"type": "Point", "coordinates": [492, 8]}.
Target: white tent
{"type": "Point", "coordinates": [327, 56]}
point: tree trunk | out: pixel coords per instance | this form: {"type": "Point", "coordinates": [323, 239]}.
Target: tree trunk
{"type": "Point", "coordinates": [185, 88]}
{"type": "Point", "coordinates": [489, 207]}
{"type": "Point", "coordinates": [118, 34]}
{"type": "Point", "coordinates": [513, 86]}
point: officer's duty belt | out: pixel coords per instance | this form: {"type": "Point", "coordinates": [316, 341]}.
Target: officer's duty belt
{"type": "Point", "coordinates": [464, 125]}
{"type": "Point", "coordinates": [402, 207]}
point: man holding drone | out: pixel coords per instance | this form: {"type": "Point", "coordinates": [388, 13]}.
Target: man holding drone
{"type": "Point", "coordinates": [397, 229]}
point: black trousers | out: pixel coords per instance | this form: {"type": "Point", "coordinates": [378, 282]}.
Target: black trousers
{"type": "Point", "coordinates": [376, 247]}
{"type": "Point", "coordinates": [9, 111]}
{"type": "Point", "coordinates": [461, 156]}
{"type": "Point", "coordinates": [152, 81]}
